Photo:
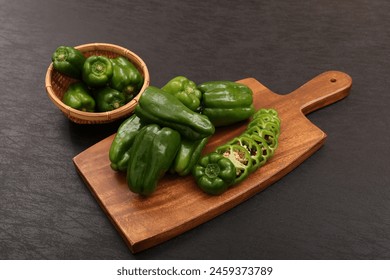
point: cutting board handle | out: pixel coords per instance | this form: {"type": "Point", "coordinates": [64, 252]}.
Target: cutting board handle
{"type": "Point", "coordinates": [322, 90]}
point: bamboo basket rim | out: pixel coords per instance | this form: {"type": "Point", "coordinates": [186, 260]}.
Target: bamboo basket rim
{"type": "Point", "coordinates": [99, 117]}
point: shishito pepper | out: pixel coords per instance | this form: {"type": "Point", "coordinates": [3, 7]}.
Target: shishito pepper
{"type": "Point", "coordinates": [188, 155]}
{"type": "Point", "coordinates": [151, 155]}
{"type": "Point", "coordinates": [78, 97]}
{"type": "Point", "coordinates": [214, 173]}
{"type": "Point", "coordinates": [125, 77]}
{"type": "Point", "coordinates": [97, 71]}
{"type": "Point", "coordinates": [226, 102]}
{"type": "Point", "coordinates": [185, 90]}
{"type": "Point", "coordinates": [160, 107]}
{"type": "Point", "coordinates": [108, 99]}
{"type": "Point", "coordinates": [68, 61]}
{"type": "Point", "coordinates": [119, 153]}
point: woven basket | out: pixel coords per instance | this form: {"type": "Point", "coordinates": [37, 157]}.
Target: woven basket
{"type": "Point", "coordinates": [57, 83]}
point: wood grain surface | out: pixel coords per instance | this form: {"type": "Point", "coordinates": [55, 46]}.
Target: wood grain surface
{"type": "Point", "coordinates": [178, 204]}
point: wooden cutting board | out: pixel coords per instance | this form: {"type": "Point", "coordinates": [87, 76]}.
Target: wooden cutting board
{"type": "Point", "coordinates": [178, 204]}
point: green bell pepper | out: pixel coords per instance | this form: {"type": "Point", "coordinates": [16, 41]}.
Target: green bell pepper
{"type": "Point", "coordinates": [240, 158]}
{"type": "Point", "coordinates": [188, 155]}
{"type": "Point", "coordinates": [266, 119]}
{"type": "Point", "coordinates": [264, 129]}
{"type": "Point", "coordinates": [251, 150]}
{"type": "Point", "coordinates": [151, 156]}
{"type": "Point", "coordinates": [267, 151]}
{"type": "Point", "coordinates": [119, 153]}
{"type": "Point", "coordinates": [226, 102]}
{"type": "Point", "coordinates": [68, 61]}
{"type": "Point", "coordinates": [126, 77]}
{"type": "Point", "coordinates": [78, 97]}
{"type": "Point", "coordinates": [185, 90]}
{"type": "Point", "coordinates": [272, 113]}
{"type": "Point", "coordinates": [256, 151]}
{"type": "Point", "coordinates": [97, 71]}
{"type": "Point", "coordinates": [214, 173]}
{"type": "Point", "coordinates": [268, 136]}
{"type": "Point", "coordinates": [108, 99]}
{"type": "Point", "coordinates": [160, 107]}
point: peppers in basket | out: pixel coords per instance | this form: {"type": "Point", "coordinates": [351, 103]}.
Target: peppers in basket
{"type": "Point", "coordinates": [108, 99]}
{"type": "Point", "coordinates": [97, 71]}
{"type": "Point", "coordinates": [100, 71]}
{"type": "Point", "coordinates": [68, 61]}
{"type": "Point", "coordinates": [125, 77]}
{"type": "Point", "coordinates": [78, 97]}
{"type": "Point", "coordinates": [226, 102]}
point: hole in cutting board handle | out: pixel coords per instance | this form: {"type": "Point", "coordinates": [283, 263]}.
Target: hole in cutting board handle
{"type": "Point", "coordinates": [321, 91]}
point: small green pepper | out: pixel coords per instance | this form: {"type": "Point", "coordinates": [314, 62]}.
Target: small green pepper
{"type": "Point", "coordinates": [240, 158]}
{"type": "Point", "coordinates": [269, 137]}
{"type": "Point", "coordinates": [272, 113]}
{"type": "Point", "coordinates": [160, 107]}
{"type": "Point", "coordinates": [266, 119]}
{"type": "Point", "coordinates": [151, 156]}
{"type": "Point", "coordinates": [226, 102]}
{"type": "Point", "coordinates": [188, 155]}
{"type": "Point", "coordinates": [97, 71]}
{"type": "Point", "coordinates": [255, 150]}
{"type": "Point", "coordinates": [119, 153]}
{"type": "Point", "coordinates": [185, 90]}
{"type": "Point", "coordinates": [254, 146]}
{"type": "Point", "coordinates": [108, 99]}
{"type": "Point", "coordinates": [214, 173]}
{"type": "Point", "coordinates": [68, 61]}
{"type": "Point", "coordinates": [126, 77]}
{"type": "Point", "coordinates": [270, 126]}
{"type": "Point", "coordinates": [78, 97]}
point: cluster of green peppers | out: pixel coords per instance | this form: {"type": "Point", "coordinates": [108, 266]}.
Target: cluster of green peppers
{"type": "Point", "coordinates": [103, 84]}
{"type": "Point", "coordinates": [232, 162]}
{"type": "Point", "coordinates": [171, 126]}
{"type": "Point", "coordinates": [163, 135]}
{"type": "Point", "coordinates": [223, 102]}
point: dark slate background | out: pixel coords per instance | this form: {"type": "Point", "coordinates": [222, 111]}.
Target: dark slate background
{"type": "Point", "coordinates": [333, 206]}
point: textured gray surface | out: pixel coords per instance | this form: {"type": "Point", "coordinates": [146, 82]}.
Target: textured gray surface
{"type": "Point", "coordinates": [333, 206]}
